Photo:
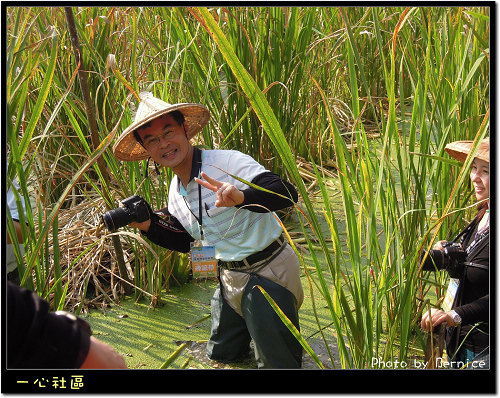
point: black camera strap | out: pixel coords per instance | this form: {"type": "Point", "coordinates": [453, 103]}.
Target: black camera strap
{"type": "Point", "coordinates": [477, 265]}
{"type": "Point", "coordinates": [466, 231]}
{"type": "Point", "coordinates": [478, 243]}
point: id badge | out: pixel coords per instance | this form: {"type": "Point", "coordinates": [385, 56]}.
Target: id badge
{"type": "Point", "coordinates": [451, 292]}
{"type": "Point", "coordinates": [203, 260]}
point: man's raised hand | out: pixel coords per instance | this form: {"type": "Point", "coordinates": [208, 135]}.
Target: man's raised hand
{"type": "Point", "coordinates": [227, 195]}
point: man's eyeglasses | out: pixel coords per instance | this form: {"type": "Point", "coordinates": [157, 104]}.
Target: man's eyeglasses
{"type": "Point", "coordinates": [153, 142]}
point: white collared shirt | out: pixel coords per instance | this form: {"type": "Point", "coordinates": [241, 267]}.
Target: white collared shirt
{"type": "Point", "coordinates": [236, 233]}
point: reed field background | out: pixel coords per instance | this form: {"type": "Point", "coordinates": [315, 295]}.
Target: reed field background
{"type": "Point", "coordinates": [353, 105]}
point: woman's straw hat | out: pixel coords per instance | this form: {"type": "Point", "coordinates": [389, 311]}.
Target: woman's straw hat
{"type": "Point", "coordinates": [460, 149]}
{"type": "Point", "coordinates": [127, 148]}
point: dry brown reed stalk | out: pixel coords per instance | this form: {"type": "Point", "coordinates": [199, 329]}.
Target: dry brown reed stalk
{"type": "Point", "coordinates": [86, 255]}
{"type": "Point", "coordinates": [306, 171]}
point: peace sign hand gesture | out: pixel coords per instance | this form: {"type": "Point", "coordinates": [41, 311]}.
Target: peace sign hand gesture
{"type": "Point", "coordinates": [227, 195]}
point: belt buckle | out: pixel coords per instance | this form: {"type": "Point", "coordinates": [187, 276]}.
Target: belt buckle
{"type": "Point", "coordinates": [281, 239]}
{"type": "Point", "coordinates": [232, 264]}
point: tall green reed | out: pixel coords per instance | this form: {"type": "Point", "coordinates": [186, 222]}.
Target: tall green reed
{"type": "Point", "coordinates": [385, 277]}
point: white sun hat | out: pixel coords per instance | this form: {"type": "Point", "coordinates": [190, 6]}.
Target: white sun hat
{"type": "Point", "coordinates": [129, 149]}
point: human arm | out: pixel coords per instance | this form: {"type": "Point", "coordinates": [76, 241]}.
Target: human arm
{"type": "Point", "coordinates": [165, 230]}
{"type": "Point", "coordinates": [251, 198]}
{"type": "Point", "coordinates": [40, 339]}
{"type": "Point", "coordinates": [15, 211]}
{"type": "Point", "coordinates": [475, 311]}
{"type": "Point", "coordinates": [287, 194]}
{"type": "Point", "coordinates": [19, 234]}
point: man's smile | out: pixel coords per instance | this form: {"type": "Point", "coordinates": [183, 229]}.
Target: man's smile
{"type": "Point", "coordinates": [169, 154]}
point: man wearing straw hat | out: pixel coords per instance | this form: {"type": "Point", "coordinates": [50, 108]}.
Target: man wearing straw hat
{"type": "Point", "coordinates": [465, 310]}
{"type": "Point", "coordinates": [210, 208]}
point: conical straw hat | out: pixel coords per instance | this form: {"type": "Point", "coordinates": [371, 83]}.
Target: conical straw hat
{"type": "Point", "coordinates": [127, 148]}
{"type": "Point", "coordinates": [460, 149]}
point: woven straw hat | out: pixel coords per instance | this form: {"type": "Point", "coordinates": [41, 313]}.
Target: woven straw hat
{"type": "Point", "coordinates": [460, 149]}
{"type": "Point", "coordinates": [127, 148]}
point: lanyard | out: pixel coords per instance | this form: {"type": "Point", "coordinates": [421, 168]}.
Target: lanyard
{"type": "Point", "coordinates": [486, 224]}
{"type": "Point", "coordinates": [200, 213]}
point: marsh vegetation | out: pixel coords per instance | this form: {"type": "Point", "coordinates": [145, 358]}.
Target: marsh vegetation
{"type": "Point", "coordinates": [354, 105]}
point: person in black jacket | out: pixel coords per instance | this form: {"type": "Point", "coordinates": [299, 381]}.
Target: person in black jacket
{"type": "Point", "coordinates": [40, 339]}
{"type": "Point", "coordinates": [467, 332]}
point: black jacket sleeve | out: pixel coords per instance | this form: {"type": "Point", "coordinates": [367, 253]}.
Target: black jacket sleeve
{"type": "Point", "coordinates": [476, 311]}
{"type": "Point", "coordinates": [39, 339]}
{"type": "Point", "coordinates": [168, 232]}
{"type": "Point", "coordinates": [270, 202]}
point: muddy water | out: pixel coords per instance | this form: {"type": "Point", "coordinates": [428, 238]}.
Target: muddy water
{"type": "Point", "coordinates": [147, 337]}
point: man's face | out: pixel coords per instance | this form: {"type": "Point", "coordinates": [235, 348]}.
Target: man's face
{"type": "Point", "coordinates": [166, 141]}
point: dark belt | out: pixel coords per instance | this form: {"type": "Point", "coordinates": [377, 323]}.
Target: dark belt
{"type": "Point", "coordinates": [256, 257]}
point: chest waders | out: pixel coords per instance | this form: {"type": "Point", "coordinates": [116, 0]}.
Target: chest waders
{"type": "Point", "coordinates": [275, 346]}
